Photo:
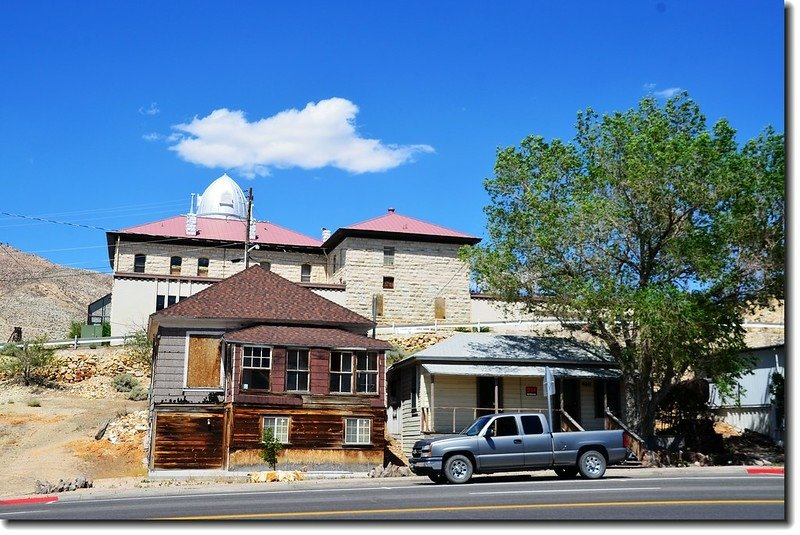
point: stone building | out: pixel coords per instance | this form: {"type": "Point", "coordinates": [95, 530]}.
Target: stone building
{"type": "Point", "coordinates": [399, 269]}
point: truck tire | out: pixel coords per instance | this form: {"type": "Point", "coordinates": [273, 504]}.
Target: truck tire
{"type": "Point", "coordinates": [458, 469]}
{"type": "Point", "coordinates": [437, 478]}
{"type": "Point", "coordinates": [592, 464]}
{"type": "Point", "coordinates": [566, 472]}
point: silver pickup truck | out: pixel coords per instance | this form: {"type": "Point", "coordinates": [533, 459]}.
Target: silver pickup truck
{"type": "Point", "coordinates": [517, 442]}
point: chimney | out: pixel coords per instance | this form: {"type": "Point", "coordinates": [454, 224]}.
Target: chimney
{"type": "Point", "coordinates": [391, 210]}
{"type": "Point", "coordinates": [191, 225]}
{"type": "Point", "coordinates": [325, 234]}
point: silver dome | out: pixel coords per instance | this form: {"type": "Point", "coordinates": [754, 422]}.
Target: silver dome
{"type": "Point", "coordinates": [222, 198]}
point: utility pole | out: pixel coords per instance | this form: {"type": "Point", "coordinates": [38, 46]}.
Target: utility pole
{"type": "Point", "coordinates": [247, 228]}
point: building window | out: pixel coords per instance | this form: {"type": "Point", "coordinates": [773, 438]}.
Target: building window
{"type": "Point", "coordinates": [204, 362]}
{"type": "Point", "coordinates": [202, 267]}
{"type": "Point", "coordinates": [335, 265]}
{"type": "Point", "coordinates": [341, 372]}
{"type": "Point", "coordinates": [175, 265]}
{"type": "Point", "coordinates": [388, 283]}
{"type": "Point", "coordinates": [366, 372]}
{"type": "Point", "coordinates": [160, 299]}
{"type": "Point", "coordinates": [255, 368]}
{"type": "Point", "coordinates": [297, 370]}
{"type": "Point", "coordinates": [377, 305]}
{"type": "Point", "coordinates": [357, 430]}
{"type": "Point", "coordinates": [305, 273]}
{"type": "Point", "coordinates": [279, 426]}
{"type": "Point", "coordinates": [388, 256]}
{"type": "Point", "coordinates": [139, 262]}
{"type": "Point", "coordinates": [439, 312]}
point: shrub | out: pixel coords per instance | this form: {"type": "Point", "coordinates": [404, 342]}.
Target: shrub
{"type": "Point", "coordinates": [74, 329]}
{"type": "Point", "coordinates": [124, 382]}
{"type": "Point", "coordinates": [34, 403]}
{"type": "Point", "coordinates": [139, 348]}
{"type": "Point", "coordinates": [139, 393]}
{"type": "Point", "coordinates": [270, 446]}
{"type": "Point", "coordinates": [31, 361]}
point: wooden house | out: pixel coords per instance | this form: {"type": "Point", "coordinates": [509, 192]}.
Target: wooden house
{"type": "Point", "coordinates": [256, 351]}
{"type": "Point", "coordinates": [442, 389]}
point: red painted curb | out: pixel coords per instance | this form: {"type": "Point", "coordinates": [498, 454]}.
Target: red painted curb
{"type": "Point", "coordinates": [38, 499]}
{"type": "Point", "coordinates": [765, 470]}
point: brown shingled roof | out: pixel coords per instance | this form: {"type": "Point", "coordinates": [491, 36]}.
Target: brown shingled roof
{"type": "Point", "coordinates": [304, 337]}
{"type": "Point", "coordinates": [259, 295]}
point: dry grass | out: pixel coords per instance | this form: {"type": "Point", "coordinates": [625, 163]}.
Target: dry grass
{"type": "Point", "coordinates": [29, 419]}
{"type": "Point", "coordinates": [105, 459]}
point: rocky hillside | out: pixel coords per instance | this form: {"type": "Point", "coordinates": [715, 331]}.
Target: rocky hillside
{"type": "Point", "coordinates": [42, 297]}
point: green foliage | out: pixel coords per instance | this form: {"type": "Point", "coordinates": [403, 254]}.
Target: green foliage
{"type": "Point", "coordinates": [270, 446]}
{"type": "Point", "coordinates": [31, 361]}
{"type": "Point", "coordinates": [138, 392]}
{"type": "Point", "coordinates": [74, 329]}
{"type": "Point", "coordinates": [124, 382]}
{"type": "Point", "coordinates": [106, 330]}
{"type": "Point", "coordinates": [34, 403]}
{"type": "Point", "coordinates": [139, 347]}
{"type": "Point", "coordinates": [650, 232]}
{"type": "Point", "coordinates": [395, 354]}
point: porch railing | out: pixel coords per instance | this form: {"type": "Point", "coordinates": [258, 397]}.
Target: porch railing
{"type": "Point", "coordinates": [637, 443]}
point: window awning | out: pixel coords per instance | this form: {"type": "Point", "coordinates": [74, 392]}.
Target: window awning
{"type": "Point", "coordinates": [496, 370]}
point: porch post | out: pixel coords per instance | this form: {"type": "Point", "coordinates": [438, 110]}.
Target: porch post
{"type": "Point", "coordinates": [496, 395]}
{"type": "Point", "coordinates": [433, 402]}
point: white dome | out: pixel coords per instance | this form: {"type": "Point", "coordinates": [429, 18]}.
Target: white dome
{"type": "Point", "coordinates": [222, 198]}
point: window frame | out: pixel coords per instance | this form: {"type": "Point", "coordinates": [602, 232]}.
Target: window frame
{"type": "Point", "coordinates": [202, 267]}
{"type": "Point", "coordinates": [283, 419]}
{"type": "Point", "coordinates": [355, 373]}
{"type": "Point", "coordinates": [175, 267]}
{"type": "Point", "coordinates": [137, 266]}
{"type": "Point", "coordinates": [388, 283]}
{"type": "Point", "coordinates": [299, 371]}
{"type": "Point", "coordinates": [247, 387]}
{"type": "Point", "coordinates": [305, 277]}
{"type": "Point", "coordinates": [360, 440]}
{"type": "Point", "coordinates": [389, 253]}
{"type": "Point", "coordinates": [202, 334]}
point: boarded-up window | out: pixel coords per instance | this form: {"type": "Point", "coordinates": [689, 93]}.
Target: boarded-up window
{"type": "Point", "coordinates": [377, 305]}
{"type": "Point", "coordinates": [439, 308]}
{"type": "Point", "coordinates": [203, 366]}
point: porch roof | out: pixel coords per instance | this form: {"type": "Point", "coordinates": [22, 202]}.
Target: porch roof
{"type": "Point", "coordinates": [491, 370]}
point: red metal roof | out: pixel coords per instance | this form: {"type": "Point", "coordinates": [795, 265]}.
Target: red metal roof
{"type": "Point", "coordinates": [305, 337]}
{"type": "Point", "coordinates": [394, 222]}
{"type": "Point", "coordinates": [210, 228]}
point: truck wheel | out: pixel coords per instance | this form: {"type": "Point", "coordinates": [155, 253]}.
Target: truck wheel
{"type": "Point", "coordinates": [458, 469]}
{"type": "Point", "coordinates": [592, 465]}
{"type": "Point", "coordinates": [567, 472]}
{"type": "Point", "coordinates": [437, 478]}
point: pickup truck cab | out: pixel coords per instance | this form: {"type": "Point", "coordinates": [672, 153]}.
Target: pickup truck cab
{"type": "Point", "coordinates": [517, 442]}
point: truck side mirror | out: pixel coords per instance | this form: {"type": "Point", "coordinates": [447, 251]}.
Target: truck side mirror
{"type": "Point", "coordinates": [489, 433]}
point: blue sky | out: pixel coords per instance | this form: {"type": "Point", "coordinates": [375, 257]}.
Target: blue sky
{"type": "Point", "coordinates": [113, 113]}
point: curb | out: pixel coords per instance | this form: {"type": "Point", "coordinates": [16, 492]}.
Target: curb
{"type": "Point", "coordinates": [21, 501]}
{"type": "Point", "coordinates": [765, 471]}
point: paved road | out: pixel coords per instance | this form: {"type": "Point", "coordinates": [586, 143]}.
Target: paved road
{"type": "Point", "coordinates": [716, 495]}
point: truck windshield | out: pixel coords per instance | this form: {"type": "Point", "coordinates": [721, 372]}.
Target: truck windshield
{"type": "Point", "coordinates": [476, 426]}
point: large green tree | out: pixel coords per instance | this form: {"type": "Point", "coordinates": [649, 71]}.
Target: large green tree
{"type": "Point", "coordinates": [649, 231]}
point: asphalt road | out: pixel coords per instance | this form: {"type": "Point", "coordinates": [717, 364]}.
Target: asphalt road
{"type": "Point", "coordinates": [655, 495]}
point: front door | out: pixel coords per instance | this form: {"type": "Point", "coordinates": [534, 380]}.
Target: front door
{"type": "Point", "coordinates": [486, 395]}
{"type": "Point", "coordinates": [504, 447]}
{"type": "Point", "coordinates": [572, 398]}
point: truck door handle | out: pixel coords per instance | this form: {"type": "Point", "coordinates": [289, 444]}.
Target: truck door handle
{"type": "Point", "coordinates": [517, 441]}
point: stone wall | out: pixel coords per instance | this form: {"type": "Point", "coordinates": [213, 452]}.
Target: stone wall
{"type": "Point", "coordinates": [421, 272]}
{"type": "Point", "coordinates": [220, 260]}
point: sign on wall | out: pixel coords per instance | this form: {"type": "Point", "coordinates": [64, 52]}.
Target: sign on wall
{"type": "Point", "coordinates": [531, 391]}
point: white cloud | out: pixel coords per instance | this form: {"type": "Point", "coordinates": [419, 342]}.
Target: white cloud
{"type": "Point", "coordinates": [667, 93]}
{"type": "Point", "coordinates": [150, 110]}
{"type": "Point", "coordinates": [152, 136]}
{"type": "Point", "coordinates": [321, 134]}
